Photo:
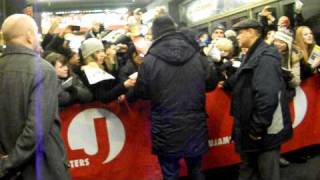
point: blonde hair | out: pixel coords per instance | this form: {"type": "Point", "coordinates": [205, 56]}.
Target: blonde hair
{"type": "Point", "coordinates": [230, 33]}
{"type": "Point", "coordinates": [224, 44]}
{"type": "Point", "coordinates": [93, 59]}
{"type": "Point", "coordinates": [90, 59]}
{"type": "Point", "coordinates": [299, 42]}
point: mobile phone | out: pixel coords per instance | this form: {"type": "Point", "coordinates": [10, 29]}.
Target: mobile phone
{"type": "Point", "coordinates": [133, 76]}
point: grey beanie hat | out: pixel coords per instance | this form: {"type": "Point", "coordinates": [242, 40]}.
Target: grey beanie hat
{"type": "Point", "coordinates": [288, 39]}
{"type": "Point", "coordinates": [90, 46]}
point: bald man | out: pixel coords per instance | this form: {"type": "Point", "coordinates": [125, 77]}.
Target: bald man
{"type": "Point", "coordinates": [30, 144]}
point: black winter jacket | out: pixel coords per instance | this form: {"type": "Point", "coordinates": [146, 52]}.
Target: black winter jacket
{"type": "Point", "coordinates": [124, 74]}
{"type": "Point", "coordinates": [56, 45]}
{"type": "Point", "coordinates": [104, 91]}
{"type": "Point", "coordinates": [173, 76]}
{"type": "Point", "coordinates": [76, 92]}
{"type": "Point", "coordinates": [259, 103]}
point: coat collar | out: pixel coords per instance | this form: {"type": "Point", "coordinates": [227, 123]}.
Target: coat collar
{"type": "Point", "coordinates": [18, 49]}
{"type": "Point", "coordinates": [255, 51]}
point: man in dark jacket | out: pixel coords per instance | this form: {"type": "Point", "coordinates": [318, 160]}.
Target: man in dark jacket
{"type": "Point", "coordinates": [175, 77]}
{"type": "Point", "coordinates": [30, 142]}
{"type": "Point", "coordinates": [259, 106]}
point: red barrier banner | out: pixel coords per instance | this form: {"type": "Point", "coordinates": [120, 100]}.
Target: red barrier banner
{"type": "Point", "coordinates": [112, 141]}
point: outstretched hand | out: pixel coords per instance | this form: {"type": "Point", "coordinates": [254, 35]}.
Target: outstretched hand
{"type": "Point", "coordinates": [316, 63]}
{"type": "Point", "coordinates": [129, 83]}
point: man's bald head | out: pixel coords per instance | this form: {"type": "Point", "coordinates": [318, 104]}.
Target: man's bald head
{"type": "Point", "coordinates": [18, 26]}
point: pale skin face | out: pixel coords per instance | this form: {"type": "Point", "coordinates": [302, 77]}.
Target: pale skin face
{"type": "Point", "coordinates": [62, 71]}
{"type": "Point", "coordinates": [307, 36]}
{"type": "Point", "coordinates": [219, 33]}
{"type": "Point", "coordinates": [280, 45]}
{"type": "Point", "coordinates": [137, 59]}
{"type": "Point", "coordinates": [111, 51]}
{"type": "Point", "coordinates": [100, 55]}
{"type": "Point", "coordinates": [96, 27]}
{"type": "Point", "coordinates": [224, 52]}
{"type": "Point", "coordinates": [75, 59]}
{"type": "Point", "coordinates": [283, 21]}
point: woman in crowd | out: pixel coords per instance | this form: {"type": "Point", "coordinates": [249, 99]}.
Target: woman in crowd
{"type": "Point", "coordinates": [71, 88]}
{"type": "Point", "coordinates": [222, 56]}
{"type": "Point", "coordinates": [217, 33]}
{"type": "Point", "coordinates": [304, 40]}
{"type": "Point", "coordinates": [102, 85]}
{"type": "Point", "coordinates": [232, 35]}
{"type": "Point", "coordinates": [291, 58]}
{"type": "Point", "coordinates": [74, 62]}
{"type": "Point", "coordinates": [110, 61]}
{"type": "Point", "coordinates": [74, 59]}
{"type": "Point", "coordinates": [127, 71]}
{"type": "Point", "coordinates": [124, 43]}
{"type": "Point", "coordinates": [295, 67]}
{"type": "Point", "coordinates": [131, 66]}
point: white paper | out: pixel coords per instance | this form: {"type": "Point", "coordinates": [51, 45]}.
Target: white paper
{"type": "Point", "coordinates": [215, 54]}
{"type": "Point", "coordinates": [236, 64]}
{"type": "Point", "coordinates": [298, 4]}
{"type": "Point", "coordinates": [67, 83]}
{"type": "Point", "coordinates": [95, 75]}
{"type": "Point", "coordinates": [314, 54]}
{"type": "Point", "coordinates": [134, 76]}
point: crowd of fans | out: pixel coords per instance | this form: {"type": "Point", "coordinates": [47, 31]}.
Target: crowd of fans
{"type": "Point", "coordinates": [105, 71]}
{"type": "Point", "coordinates": [117, 62]}
{"type": "Point", "coordinates": [121, 58]}
{"type": "Point", "coordinates": [295, 44]}
{"type": "Point", "coordinates": [118, 59]}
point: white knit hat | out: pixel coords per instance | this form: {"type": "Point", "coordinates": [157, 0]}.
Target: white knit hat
{"type": "Point", "coordinates": [287, 38]}
{"type": "Point", "coordinates": [90, 46]}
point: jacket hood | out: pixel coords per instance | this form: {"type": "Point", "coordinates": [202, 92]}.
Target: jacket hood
{"type": "Point", "coordinates": [173, 48]}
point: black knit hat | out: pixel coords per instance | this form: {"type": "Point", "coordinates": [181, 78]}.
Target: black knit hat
{"type": "Point", "coordinates": [162, 25]}
{"type": "Point", "coordinates": [124, 39]}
